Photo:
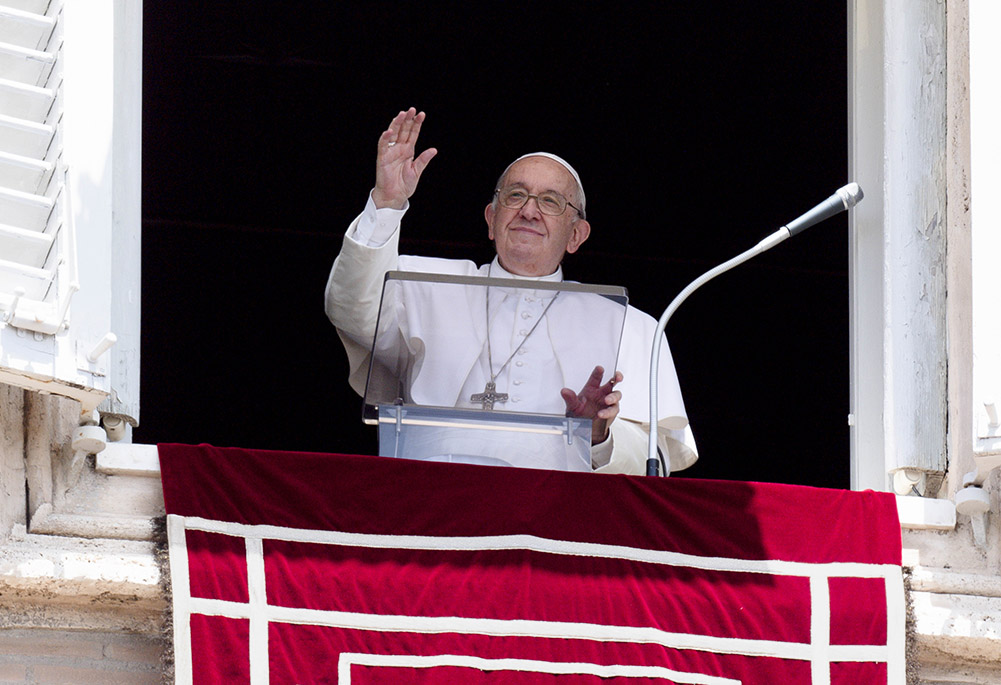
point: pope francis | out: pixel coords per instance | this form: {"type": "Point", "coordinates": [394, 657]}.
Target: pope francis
{"type": "Point", "coordinates": [536, 216]}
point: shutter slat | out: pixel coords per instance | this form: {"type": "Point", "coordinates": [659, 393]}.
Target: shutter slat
{"type": "Point", "coordinates": [25, 137]}
{"type": "Point", "coordinates": [25, 28]}
{"type": "Point", "coordinates": [24, 247]}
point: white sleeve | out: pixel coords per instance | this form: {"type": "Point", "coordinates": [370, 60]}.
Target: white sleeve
{"type": "Point", "coordinates": [632, 441]}
{"type": "Point", "coordinates": [602, 452]}
{"type": "Point", "coordinates": [354, 287]}
{"type": "Point", "coordinates": [375, 227]}
{"type": "Point", "coordinates": [629, 449]}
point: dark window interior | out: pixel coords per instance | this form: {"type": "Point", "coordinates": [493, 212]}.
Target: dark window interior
{"type": "Point", "coordinates": [697, 128]}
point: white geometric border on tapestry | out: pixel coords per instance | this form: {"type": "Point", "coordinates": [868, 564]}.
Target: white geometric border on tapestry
{"type": "Point", "coordinates": [819, 651]}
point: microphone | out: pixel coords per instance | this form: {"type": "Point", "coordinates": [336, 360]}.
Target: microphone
{"type": "Point", "coordinates": [843, 198]}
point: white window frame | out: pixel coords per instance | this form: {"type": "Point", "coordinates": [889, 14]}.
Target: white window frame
{"type": "Point", "coordinates": [897, 152]}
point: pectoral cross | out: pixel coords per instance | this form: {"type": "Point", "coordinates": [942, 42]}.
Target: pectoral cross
{"type": "Point", "coordinates": [489, 396]}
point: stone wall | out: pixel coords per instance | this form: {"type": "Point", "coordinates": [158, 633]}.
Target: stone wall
{"type": "Point", "coordinates": [81, 594]}
{"type": "Point", "coordinates": [79, 656]}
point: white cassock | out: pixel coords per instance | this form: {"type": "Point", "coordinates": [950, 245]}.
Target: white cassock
{"type": "Point", "coordinates": [449, 371]}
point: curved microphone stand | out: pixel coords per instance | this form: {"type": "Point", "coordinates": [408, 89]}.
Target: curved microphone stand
{"type": "Point", "coordinates": [843, 198]}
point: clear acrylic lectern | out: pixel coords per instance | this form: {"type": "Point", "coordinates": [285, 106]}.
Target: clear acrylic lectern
{"type": "Point", "coordinates": [470, 369]}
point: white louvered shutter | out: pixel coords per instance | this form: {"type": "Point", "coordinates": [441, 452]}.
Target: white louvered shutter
{"type": "Point", "coordinates": [70, 97]}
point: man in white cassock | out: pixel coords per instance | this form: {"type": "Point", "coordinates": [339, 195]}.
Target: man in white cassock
{"type": "Point", "coordinates": [536, 217]}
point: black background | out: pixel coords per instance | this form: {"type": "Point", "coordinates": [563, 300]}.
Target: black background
{"type": "Point", "coordinates": [697, 128]}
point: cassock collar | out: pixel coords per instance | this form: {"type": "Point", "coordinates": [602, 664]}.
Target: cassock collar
{"type": "Point", "coordinates": [498, 271]}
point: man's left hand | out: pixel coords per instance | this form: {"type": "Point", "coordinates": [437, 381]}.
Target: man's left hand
{"type": "Point", "coordinates": [595, 401]}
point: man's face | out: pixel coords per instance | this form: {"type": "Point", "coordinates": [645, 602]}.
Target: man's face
{"type": "Point", "coordinates": [528, 242]}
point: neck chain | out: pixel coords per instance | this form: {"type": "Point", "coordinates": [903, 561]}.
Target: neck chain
{"type": "Point", "coordinates": [490, 394]}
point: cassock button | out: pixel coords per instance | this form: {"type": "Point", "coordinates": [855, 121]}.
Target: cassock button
{"type": "Point", "coordinates": [523, 332]}
{"type": "Point", "coordinates": [519, 363]}
{"type": "Point", "coordinates": [526, 315]}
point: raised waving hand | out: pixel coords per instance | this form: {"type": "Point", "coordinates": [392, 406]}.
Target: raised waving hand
{"type": "Point", "coordinates": [397, 170]}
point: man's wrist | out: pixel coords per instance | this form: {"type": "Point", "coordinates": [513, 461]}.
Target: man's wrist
{"type": "Point", "coordinates": [387, 202]}
{"type": "Point", "coordinates": [602, 437]}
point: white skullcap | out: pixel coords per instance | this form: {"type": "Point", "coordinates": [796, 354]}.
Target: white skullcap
{"type": "Point", "coordinates": [558, 160]}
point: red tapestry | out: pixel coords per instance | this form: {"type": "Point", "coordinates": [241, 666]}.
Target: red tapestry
{"type": "Point", "coordinates": [316, 568]}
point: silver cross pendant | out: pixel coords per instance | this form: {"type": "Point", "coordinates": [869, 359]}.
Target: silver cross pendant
{"type": "Point", "coordinates": [489, 396]}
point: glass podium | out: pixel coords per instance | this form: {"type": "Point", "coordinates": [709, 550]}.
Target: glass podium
{"type": "Point", "coordinates": [470, 369]}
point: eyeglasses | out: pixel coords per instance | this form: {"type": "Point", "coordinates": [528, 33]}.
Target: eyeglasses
{"type": "Point", "coordinates": [550, 202]}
